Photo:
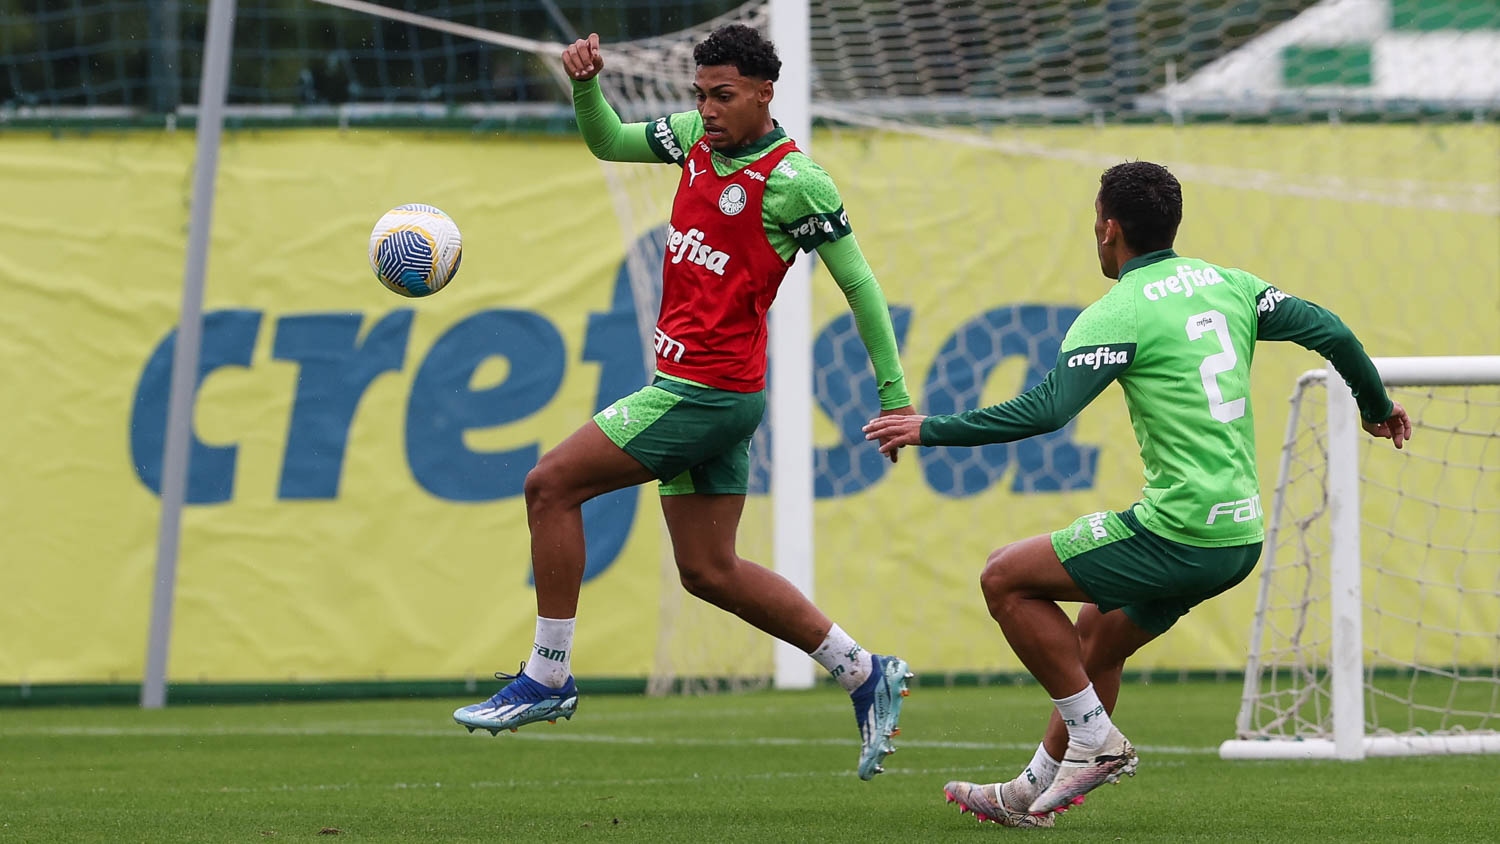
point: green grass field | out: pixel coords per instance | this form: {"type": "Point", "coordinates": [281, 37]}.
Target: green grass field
{"type": "Point", "coordinates": [773, 766]}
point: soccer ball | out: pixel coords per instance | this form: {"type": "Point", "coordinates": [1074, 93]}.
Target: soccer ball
{"type": "Point", "coordinates": [415, 250]}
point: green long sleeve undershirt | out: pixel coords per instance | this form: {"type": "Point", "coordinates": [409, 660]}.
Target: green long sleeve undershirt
{"type": "Point", "coordinates": [1053, 403]}
{"type": "Point", "coordinates": [1067, 389]}
{"type": "Point", "coordinates": [610, 140]}
{"type": "Point", "coordinates": [1317, 329]}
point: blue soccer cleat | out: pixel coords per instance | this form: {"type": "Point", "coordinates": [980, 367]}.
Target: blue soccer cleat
{"type": "Point", "coordinates": [877, 709]}
{"type": "Point", "coordinates": [522, 701]}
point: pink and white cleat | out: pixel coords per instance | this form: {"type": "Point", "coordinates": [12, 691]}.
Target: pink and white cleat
{"type": "Point", "coordinates": [987, 802]}
{"type": "Point", "coordinates": [1085, 769]}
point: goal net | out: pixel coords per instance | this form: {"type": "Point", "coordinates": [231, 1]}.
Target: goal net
{"type": "Point", "coordinates": [1377, 630]}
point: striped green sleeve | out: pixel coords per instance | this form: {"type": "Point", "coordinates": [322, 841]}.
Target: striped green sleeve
{"type": "Point", "coordinates": [804, 203]}
{"type": "Point", "coordinates": [671, 136]}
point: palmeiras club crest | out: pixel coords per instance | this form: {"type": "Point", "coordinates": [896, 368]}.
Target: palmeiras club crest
{"type": "Point", "coordinates": [732, 200]}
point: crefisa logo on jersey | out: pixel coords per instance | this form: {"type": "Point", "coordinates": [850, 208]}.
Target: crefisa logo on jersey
{"type": "Point", "coordinates": [1269, 299]}
{"type": "Point", "coordinates": [691, 248]}
{"type": "Point", "coordinates": [667, 140]}
{"type": "Point", "coordinates": [732, 200]}
{"type": "Point", "coordinates": [1183, 283]}
{"type": "Point", "coordinates": [1102, 356]}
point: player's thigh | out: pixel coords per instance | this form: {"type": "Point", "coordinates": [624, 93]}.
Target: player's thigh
{"type": "Point", "coordinates": [1029, 568]}
{"type": "Point", "coordinates": [703, 529]}
{"type": "Point", "coordinates": [671, 427]}
{"type": "Point", "coordinates": [584, 465]}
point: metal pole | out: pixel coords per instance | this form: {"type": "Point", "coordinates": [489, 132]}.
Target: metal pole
{"type": "Point", "coordinates": [215, 83]}
{"type": "Point", "coordinates": [791, 356]}
{"type": "Point", "coordinates": [1346, 657]}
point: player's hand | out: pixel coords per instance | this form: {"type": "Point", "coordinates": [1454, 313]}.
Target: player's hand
{"type": "Point", "coordinates": [582, 60]}
{"type": "Point", "coordinates": [894, 429]}
{"type": "Point", "coordinates": [1396, 428]}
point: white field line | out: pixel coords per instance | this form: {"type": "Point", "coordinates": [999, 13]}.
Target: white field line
{"type": "Point", "coordinates": [532, 735]}
{"type": "Point", "coordinates": [841, 773]}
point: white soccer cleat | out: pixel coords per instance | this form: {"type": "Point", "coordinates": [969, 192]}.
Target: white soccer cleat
{"type": "Point", "coordinates": [1085, 769]}
{"type": "Point", "coordinates": [988, 803]}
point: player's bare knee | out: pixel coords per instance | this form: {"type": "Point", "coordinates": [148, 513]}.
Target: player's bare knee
{"type": "Point", "coordinates": [544, 488]}
{"type": "Point", "coordinates": [996, 581]}
{"type": "Point", "coordinates": [711, 582]}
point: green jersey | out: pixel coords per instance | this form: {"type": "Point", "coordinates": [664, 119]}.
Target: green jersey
{"type": "Point", "coordinates": [1179, 335]}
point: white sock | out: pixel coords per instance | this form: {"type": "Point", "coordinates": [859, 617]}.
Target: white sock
{"type": "Point", "coordinates": [849, 663]}
{"type": "Point", "coordinates": [551, 652]}
{"type": "Point", "coordinates": [1088, 723]}
{"type": "Point", "coordinates": [1040, 773]}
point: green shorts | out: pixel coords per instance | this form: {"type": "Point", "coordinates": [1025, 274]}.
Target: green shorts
{"type": "Point", "coordinates": [1120, 564]}
{"type": "Point", "coordinates": [695, 439]}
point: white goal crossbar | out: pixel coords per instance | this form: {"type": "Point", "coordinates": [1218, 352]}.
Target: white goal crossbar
{"type": "Point", "coordinates": [1346, 668]}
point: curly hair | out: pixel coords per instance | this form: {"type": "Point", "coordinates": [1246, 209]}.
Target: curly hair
{"type": "Point", "coordinates": [744, 47]}
{"type": "Point", "coordinates": [1147, 202]}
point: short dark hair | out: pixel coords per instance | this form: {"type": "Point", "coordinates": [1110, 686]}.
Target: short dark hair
{"type": "Point", "coordinates": [1147, 202]}
{"type": "Point", "coordinates": [742, 46]}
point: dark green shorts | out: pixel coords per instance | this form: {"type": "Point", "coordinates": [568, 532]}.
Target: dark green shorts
{"type": "Point", "coordinates": [1120, 564]}
{"type": "Point", "coordinates": [695, 439]}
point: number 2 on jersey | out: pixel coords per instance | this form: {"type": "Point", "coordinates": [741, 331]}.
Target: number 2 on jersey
{"type": "Point", "coordinates": [1199, 325]}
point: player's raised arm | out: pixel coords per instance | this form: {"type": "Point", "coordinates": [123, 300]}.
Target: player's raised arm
{"type": "Point", "coordinates": [1280, 316]}
{"type": "Point", "coordinates": [607, 138]}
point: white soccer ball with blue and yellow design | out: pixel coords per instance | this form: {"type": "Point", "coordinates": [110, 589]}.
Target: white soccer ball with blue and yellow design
{"type": "Point", "coordinates": [415, 250]}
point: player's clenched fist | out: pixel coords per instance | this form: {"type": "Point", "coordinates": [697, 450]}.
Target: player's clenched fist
{"type": "Point", "coordinates": [582, 60]}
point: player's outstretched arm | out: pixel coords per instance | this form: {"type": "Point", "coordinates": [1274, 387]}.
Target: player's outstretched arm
{"type": "Point", "coordinates": [872, 318]}
{"type": "Point", "coordinates": [1099, 348]}
{"type": "Point", "coordinates": [607, 138]}
{"type": "Point", "coordinates": [1048, 406]}
{"type": "Point", "coordinates": [1284, 317]}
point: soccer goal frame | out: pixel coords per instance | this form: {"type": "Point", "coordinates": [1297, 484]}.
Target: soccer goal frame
{"type": "Point", "coordinates": [1346, 667]}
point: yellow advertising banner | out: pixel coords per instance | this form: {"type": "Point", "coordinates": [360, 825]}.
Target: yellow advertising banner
{"type": "Point", "coordinates": [355, 505]}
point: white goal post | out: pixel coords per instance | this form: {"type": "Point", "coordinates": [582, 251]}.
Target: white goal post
{"type": "Point", "coordinates": [1316, 675]}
